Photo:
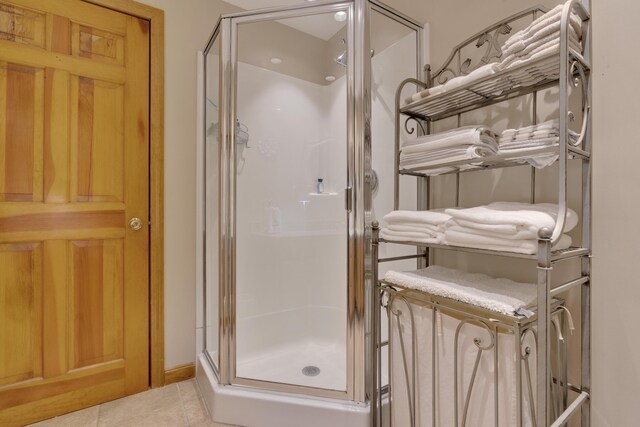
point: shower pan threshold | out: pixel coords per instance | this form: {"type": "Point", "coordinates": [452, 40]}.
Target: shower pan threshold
{"type": "Point", "coordinates": [247, 407]}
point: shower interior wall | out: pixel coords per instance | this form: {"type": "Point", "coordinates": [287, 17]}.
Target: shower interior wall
{"type": "Point", "coordinates": [299, 128]}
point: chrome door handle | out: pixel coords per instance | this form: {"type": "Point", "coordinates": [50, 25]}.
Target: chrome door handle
{"type": "Point", "coordinates": [135, 224]}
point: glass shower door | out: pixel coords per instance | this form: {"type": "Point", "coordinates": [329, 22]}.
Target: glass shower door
{"type": "Point", "coordinates": [291, 232]}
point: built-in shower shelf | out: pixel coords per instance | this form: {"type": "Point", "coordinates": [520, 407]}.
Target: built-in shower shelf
{"type": "Point", "coordinates": [322, 194]}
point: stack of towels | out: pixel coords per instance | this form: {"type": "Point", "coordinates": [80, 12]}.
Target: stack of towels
{"type": "Point", "coordinates": [464, 143]}
{"type": "Point", "coordinates": [415, 226]}
{"type": "Point", "coordinates": [520, 142]}
{"type": "Point", "coordinates": [506, 226]}
{"type": "Point", "coordinates": [541, 38]}
{"type": "Point", "coordinates": [498, 226]}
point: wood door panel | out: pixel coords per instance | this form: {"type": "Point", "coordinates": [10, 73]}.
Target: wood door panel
{"type": "Point", "coordinates": [22, 25]}
{"type": "Point", "coordinates": [99, 45]}
{"type": "Point", "coordinates": [47, 400]}
{"type": "Point", "coordinates": [21, 317]}
{"type": "Point", "coordinates": [97, 140]}
{"type": "Point", "coordinates": [24, 393]}
{"type": "Point", "coordinates": [97, 289]}
{"type": "Point", "coordinates": [22, 99]}
{"type": "Point", "coordinates": [74, 167]}
{"type": "Point", "coordinates": [56, 136]}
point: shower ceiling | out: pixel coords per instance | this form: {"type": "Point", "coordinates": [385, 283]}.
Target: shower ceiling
{"type": "Point", "coordinates": [297, 41]}
{"type": "Point", "coordinates": [322, 29]}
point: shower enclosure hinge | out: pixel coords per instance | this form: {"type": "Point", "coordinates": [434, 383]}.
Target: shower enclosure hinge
{"type": "Point", "coordinates": [347, 199]}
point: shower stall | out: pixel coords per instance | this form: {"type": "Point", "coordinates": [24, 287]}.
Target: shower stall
{"type": "Point", "coordinates": [296, 152]}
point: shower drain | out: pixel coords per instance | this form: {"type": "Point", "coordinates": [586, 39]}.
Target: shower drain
{"type": "Point", "coordinates": [311, 371]}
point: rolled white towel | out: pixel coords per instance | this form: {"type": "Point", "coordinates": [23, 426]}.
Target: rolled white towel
{"type": "Point", "coordinates": [433, 217]}
{"type": "Point", "coordinates": [479, 241]}
{"type": "Point", "coordinates": [456, 82]}
{"type": "Point", "coordinates": [425, 93]}
{"type": "Point", "coordinates": [477, 74]}
{"type": "Point", "coordinates": [523, 216]}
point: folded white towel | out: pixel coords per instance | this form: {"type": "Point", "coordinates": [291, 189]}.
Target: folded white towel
{"type": "Point", "coordinates": [547, 23]}
{"type": "Point", "coordinates": [415, 228]}
{"type": "Point", "coordinates": [522, 47]}
{"type": "Point", "coordinates": [411, 237]}
{"type": "Point", "coordinates": [470, 135]}
{"type": "Point", "coordinates": [522, 216]}
{"type": "Point", "coordinates": [451, 155]}
{"type": "Point", "coordinates": [548, 49]}
{"type": "Point", "coordinates": [473, 134]}
{"type": "Point", "coordinates": [477, 74]}
{"type": "Point", "coordinates": [434, 217]}
{"type": "Point", "coordinates": [522, 145]}
{"type": "Point", "coordinates": [500, 295]}
{"type": "Point", "coordinates": [531, 155]}
{"type": "Point", "coordinates": [528, 142]}
{"type": "Point", "coordinates": [536, 136]}
{"type": "Point", "coordinates": [497, 230]}
{"type": "Point", "coordinates": [522, 246]}
{"type": "Point", "coordinates": [549, 138]}
{"type": "Point", "coordinates": [519, 133]}
{"type": "Point", "coordinates": [490, 230]}
{"type": "Point", "coordinates": [546, 125]}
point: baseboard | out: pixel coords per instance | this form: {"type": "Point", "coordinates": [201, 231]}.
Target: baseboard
{"type": "Point", "coordinates": [179, 373]}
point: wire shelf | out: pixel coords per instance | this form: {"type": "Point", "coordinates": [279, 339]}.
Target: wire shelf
{"type": "Point", "coordinates": [509, 83]}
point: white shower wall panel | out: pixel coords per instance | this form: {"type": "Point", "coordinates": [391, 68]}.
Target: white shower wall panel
{"type": "Point", "coordinates": [291, 258]}
{"type": "Point", "coordinates": [291, 242]}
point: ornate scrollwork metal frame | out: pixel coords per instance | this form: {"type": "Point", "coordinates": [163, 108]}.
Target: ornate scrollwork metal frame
{"type": "Point", "coordinates": [477, 341]}
{"type": "Point", "coordinates": [455, 66]}
{"type": "Point", "coordinates": [578, 77]}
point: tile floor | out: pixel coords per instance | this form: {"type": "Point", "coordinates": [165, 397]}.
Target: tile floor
{"type": "Point", "coordinates": [174, 405]}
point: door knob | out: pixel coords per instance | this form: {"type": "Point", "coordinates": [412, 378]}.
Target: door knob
{"type": "Point", "coordinates": [135, 224]}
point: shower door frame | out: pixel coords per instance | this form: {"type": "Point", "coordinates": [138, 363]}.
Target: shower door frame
{"type": "Point", "coordinates": [358, 190]}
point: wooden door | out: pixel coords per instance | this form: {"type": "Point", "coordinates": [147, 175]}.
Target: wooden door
{"type": "Point", "coordinates": [74, 169]}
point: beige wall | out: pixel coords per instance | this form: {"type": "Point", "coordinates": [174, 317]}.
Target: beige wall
{"type": "Point", "coordinates": [616, 343]}
{"type": "Point", "coordinates": [188, 25]}
{"type": "Point", "coordinates": [616, 239]}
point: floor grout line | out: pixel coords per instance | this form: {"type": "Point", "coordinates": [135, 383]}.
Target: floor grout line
{"type": "Point", "coordinates": [184, 411]}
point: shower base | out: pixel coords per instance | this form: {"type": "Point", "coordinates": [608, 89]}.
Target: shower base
{"type": "Point", "coordinates": [245, 406]}
{"type": "Point", "coordinates": [285, 364]}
